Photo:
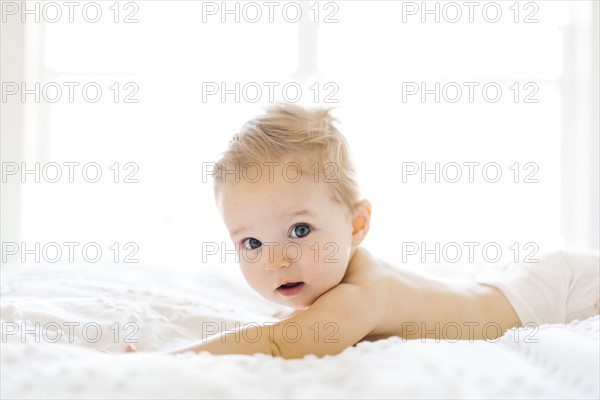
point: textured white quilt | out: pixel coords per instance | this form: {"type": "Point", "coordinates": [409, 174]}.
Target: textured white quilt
{"type": "Point", "coordinates": [55, 319]}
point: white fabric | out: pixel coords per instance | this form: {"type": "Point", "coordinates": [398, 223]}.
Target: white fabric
{"type": "Point", "coordinates": [556, 361]}
{"type": "Point", "coordinates": [560, 287]}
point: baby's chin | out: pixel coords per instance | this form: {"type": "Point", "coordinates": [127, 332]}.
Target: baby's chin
{"type": "Point", "coordinates": [297, 303]}
{"type": "Point", "coordinates": [297, 306]}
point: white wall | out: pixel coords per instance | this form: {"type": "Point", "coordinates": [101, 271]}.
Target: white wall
{"type": "Point", "coordinates": [367, 55]}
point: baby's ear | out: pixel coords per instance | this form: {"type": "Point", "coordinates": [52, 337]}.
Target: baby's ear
{"type": "Point", "coordinates": [360, 221]}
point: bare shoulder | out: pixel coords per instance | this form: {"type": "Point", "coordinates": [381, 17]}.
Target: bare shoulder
{"type": "Point", "coordinates": [357, 308]}
{"type": "Point", "coordinates": [364, 293]}
{"type": "Point", "coordinates": [339, 318]}
{"type": "Point", "coordinates": [375, 277]}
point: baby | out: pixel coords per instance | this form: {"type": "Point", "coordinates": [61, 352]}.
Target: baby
{"type": "Point", "coordinates": [287, 193]}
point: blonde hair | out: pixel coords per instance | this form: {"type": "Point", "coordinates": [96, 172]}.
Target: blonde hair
{"type": "Point", "coordinates": [288, 131]}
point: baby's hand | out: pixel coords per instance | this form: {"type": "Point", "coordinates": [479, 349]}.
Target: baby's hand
{"type": "Point", "coordinates": [131, 349]}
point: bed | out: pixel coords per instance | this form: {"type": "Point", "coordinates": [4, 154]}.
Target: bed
{"type": "Point", "coordinates": [64, 329]}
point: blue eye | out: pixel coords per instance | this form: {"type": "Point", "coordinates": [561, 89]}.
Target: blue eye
{"type": "Point", "coordinates": [251, 243]}
{"type": "Point", "coordinates": [300, 230]}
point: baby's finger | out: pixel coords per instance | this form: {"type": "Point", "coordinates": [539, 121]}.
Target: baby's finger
{"type": "Point", "coordinates": [130, 349]}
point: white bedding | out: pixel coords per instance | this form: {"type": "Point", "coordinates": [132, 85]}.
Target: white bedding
{"type": "Point", "coordinates": [169, 308]}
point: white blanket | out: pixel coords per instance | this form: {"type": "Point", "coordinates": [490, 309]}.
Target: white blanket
{"type": "Point", "coordinates": [167, 309]}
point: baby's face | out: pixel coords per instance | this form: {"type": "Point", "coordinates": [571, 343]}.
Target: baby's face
{"type": "Point", "coordinates": [287, 232]}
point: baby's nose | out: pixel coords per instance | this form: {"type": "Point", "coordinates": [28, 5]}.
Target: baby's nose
{"type": "Point", "coordinates": [275, 258]}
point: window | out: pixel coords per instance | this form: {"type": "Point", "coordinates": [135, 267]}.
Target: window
{"type": "Point", "coordinates": [417, 100]}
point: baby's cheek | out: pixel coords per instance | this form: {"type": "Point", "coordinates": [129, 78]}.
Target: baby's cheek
{"type": "Point", "coordinates": [250, 273]}
{"type": "Point", "coordinates": [329, 272]}
{"type": "Point", "coordinates": [320, 253]}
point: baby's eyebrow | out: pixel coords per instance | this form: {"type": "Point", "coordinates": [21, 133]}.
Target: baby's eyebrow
{"type": "Point", "coordinates": [238, 230]}
{"type": "Point", "coordinates": [298, 213]}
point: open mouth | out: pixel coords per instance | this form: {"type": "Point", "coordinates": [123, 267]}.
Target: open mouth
{"type": "Point", "coordinates": [291, 288]}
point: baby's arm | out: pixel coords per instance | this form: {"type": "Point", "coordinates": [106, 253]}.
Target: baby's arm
{"type": "Point", "coordinates": [338, 319]}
